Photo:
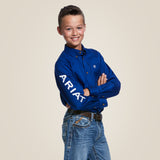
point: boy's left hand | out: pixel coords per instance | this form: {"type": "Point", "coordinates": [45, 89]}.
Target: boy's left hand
{"type": "Point", "coordinates": [102, 79]}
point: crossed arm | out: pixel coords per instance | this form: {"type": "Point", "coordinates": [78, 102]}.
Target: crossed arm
{"type": "Point", "coordinates": [102, 80]}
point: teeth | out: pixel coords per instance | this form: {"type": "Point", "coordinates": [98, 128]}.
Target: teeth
{"type": "Point", "coordinates": [74, 39]}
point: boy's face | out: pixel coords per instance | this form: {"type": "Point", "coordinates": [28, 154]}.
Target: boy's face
{"type": "Point", "coordinates": [72, 28]}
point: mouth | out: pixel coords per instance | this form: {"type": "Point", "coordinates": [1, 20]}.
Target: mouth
{"type": "Point", "coordinates": [74, 39]}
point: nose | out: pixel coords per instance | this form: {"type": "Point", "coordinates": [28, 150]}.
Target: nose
{"type": "Point", "coordinates": [74, 32]}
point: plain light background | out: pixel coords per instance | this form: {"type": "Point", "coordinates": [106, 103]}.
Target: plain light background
{"type": "Point", "coordinates": [127, 35]}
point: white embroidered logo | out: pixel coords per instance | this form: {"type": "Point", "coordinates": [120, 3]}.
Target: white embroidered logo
{"type": "Point", "coordinates": [71, 88]}
{"type": "Point", "coordinates": [94, 66]}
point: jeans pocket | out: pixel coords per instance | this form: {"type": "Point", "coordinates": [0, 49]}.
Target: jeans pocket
{"type": "Point", "coordinates": [81, 121]}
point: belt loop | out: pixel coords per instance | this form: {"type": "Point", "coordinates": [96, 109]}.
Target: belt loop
{"type": "Point", "coordinates": [92, 116]}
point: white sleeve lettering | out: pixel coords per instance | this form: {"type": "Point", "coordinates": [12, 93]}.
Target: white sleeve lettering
{"type": "Point", "coordinates": [69, 86]}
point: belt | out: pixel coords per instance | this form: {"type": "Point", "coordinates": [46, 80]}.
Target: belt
{"type": "Point", "coordinates": [96, 116]}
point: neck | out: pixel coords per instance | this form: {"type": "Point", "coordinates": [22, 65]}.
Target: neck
{"type": "Point", "coordinates": [77, 47]}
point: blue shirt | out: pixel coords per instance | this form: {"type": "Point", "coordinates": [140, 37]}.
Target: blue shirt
{"type": "Point", "coordinates": [76, 70]}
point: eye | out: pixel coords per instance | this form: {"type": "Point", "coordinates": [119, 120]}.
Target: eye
{"type": "Point", "coordinates": [79, 27]}
{"type": "Point", "coordinates": [68, 29]}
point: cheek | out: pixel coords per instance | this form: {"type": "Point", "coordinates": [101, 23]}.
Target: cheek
{"type": "Point", "coordinates": [82, 32]}
{"type": "Point", "coordinates": [66, 34]}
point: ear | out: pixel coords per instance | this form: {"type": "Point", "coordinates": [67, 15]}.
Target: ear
{"type": "Point", "coordinates": [59, 30]}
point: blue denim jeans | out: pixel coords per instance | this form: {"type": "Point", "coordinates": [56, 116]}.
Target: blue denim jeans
{"type": "Point", "coordinates": [84, 138]}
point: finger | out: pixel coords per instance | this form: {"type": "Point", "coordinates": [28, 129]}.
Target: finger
{"type": "Point", "coordinates": [104, 78]}
{"type": "Point", "coordinates": [99, 83]}
{"type": "Point", "coordinates": [101, 80]}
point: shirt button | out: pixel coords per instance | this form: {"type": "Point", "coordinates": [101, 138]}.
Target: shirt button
{"type": "Point", "coordinates": [80, 52]}
{"type": "Point", "coordinates": [86, 72]}
{"type": "Point", "coordinates": [103, 104]}
{"type": "Point", "coordinates": [76, 56]}
{"type": "Point", "coordinates": [103, 96]}
{"type": "Point", "coordinates": [93, 96]}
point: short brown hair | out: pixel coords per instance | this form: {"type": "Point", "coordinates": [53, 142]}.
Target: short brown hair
{"type": "Point", "coordinates": [69, 10]}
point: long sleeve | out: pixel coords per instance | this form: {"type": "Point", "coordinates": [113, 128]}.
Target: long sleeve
{"type": "Point", "coordinates": [109, 89]}
{"type": "Point", "coordinates": [72, 91]}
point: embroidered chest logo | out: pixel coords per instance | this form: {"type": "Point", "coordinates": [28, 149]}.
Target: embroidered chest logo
{"type": "Point", "coordinates": [71, 88]}
{"type": "Point", "coordinates": [94, 66]}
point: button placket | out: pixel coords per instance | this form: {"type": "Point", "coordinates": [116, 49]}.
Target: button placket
{"type": "Point", "coordinates": [85, 70]}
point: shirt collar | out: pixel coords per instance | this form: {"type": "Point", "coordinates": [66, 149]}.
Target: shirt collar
{"type": "Point", "coordinates": [75, 52]}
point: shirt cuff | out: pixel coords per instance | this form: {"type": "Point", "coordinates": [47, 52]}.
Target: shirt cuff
{"type": "Point", "coordinates": [95, 91]}
{"type": "Point", "coordinates": [103, 102]}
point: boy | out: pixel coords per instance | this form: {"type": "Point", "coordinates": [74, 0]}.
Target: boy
{"type": "Point", "coordinates": [85, 82]}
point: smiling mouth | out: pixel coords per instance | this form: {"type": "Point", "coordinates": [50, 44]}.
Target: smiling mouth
{"type": "Point", "coordinates": [75, 38]}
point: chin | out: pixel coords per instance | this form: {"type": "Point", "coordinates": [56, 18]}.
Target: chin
{"type": "Point", "coordinates": [74, 45]}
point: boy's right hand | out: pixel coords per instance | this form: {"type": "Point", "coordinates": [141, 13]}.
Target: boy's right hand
{"type": "Point", "coordinates": [67, 105]}
{"type": "Point", "coordinates": [102, 79]}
